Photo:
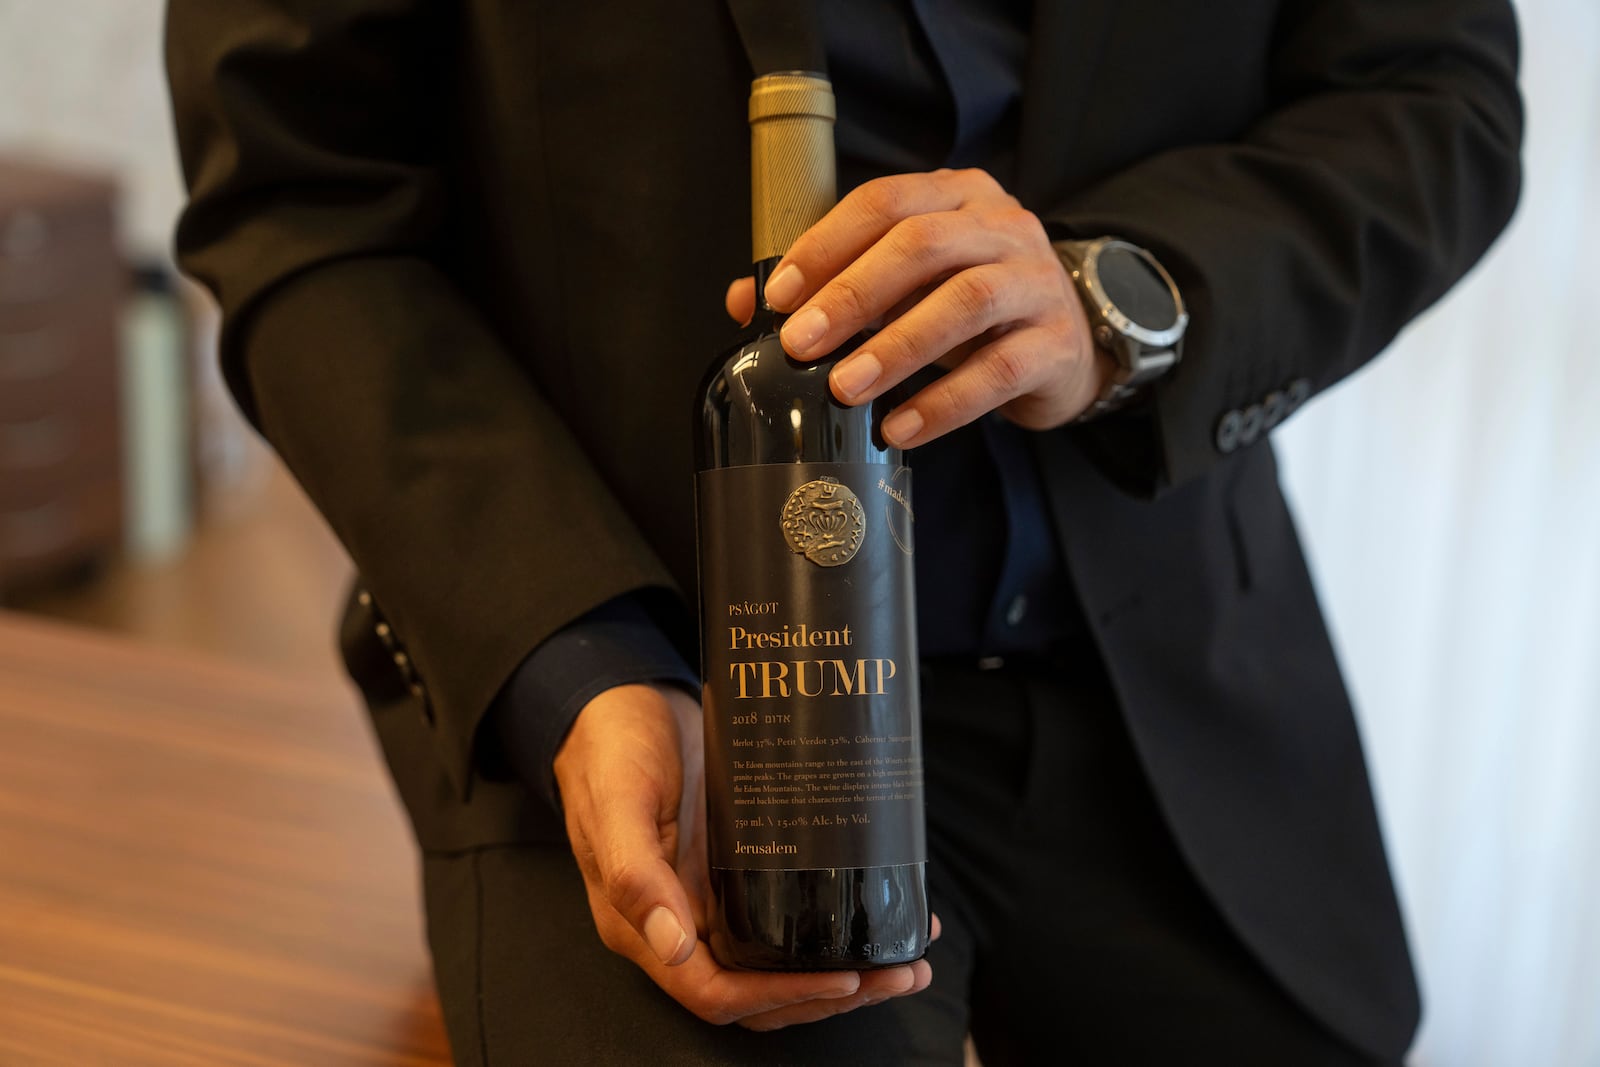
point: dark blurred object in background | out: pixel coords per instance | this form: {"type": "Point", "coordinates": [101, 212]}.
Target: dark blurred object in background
{"type": "Point", "coordinates": [61, 448]}
{"type": "Point", "coordinates": [97, 441]}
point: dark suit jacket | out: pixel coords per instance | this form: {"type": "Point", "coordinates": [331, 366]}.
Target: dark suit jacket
{"type": "Point", "coordinates": [471, 259]}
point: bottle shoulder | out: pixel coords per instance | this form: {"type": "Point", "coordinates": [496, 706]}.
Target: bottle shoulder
{"type": "Point", "coordinates": [756, 366]}
{"type": "Point", "coordinates": [757, 404]}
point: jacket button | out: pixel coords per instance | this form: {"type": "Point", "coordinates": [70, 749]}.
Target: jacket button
{"type": "Point", "coordinates": [1274, 407]}
{"type": "Point", "coordinates": [1250, 425]}
{"type": "Point", "coordinates": [1299, 392]}
{"type": "Point", "coordinates": [385, 634]}
{"type": "Point", "coordinates": [1228, 432]}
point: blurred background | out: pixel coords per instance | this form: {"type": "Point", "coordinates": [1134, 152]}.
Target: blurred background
{"type": "Point", "coordinates": [1449, 497]}
{"type": "Point", "coordinates": [132, 494]}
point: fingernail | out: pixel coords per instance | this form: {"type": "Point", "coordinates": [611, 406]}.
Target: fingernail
{"type": "Point", "coordinates": [841, 991]}
{"type": "Point", "coordinates": [805, 329]}
{"type": "Point", "coordinates": [902, 426]}
{"type": "Point", "coordinates": [856, 374]}
{"type": "Point", "coordinates": [784, 286]}
{"type": "Point", "coordinates": [663, 934]}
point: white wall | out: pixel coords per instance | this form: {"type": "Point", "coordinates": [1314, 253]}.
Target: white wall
{"type": "Point", "coordinates": [1450, 498]}
{"type": "Point", "coordinates": [80, 80]}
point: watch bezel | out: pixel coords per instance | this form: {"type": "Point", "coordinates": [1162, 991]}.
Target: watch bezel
{"type": "Point", "coordinates": [1089, 273]}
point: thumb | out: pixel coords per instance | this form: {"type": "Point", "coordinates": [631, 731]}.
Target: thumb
{"type": "Point", "coordinates": [638, 879]}
{"type": "Point", "coordinates": [667, 937]}
{"type": "Point", "coordinates": [620, 772]}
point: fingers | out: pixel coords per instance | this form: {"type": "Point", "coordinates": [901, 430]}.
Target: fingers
{"type": "Point", "coordinates": [965, 278]}
{"type": "Point", "coordinates": [720, 996]}
{"type": "Point", "coordinates": [915, 252]}
{"type": "Point", "coordinates": [876, 987]}
{"type": "Point", "coordinates": [770, 1000]}
{"type": "Point", "coordinates": [1027, 374]}
{"type": "Point", "coordinates": [862, 217]}
{"type": "Point", "coordinates": [965, 307]}
{"type": "Point", "coordinates": [741, 300]}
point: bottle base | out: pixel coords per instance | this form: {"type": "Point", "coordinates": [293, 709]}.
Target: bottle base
{"type": "Point", "coordinates": [828, 919]}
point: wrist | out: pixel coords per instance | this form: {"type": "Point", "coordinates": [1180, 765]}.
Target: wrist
{"type": "Point", "coordinates": [629, 714]}
{"type": "Point", "coordinates": [1136, 318]}
{"type": "Point", "coordinates": [642, 709]}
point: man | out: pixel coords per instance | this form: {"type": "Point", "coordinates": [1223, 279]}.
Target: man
{"type": "Point", "coordinates": [470, 261]}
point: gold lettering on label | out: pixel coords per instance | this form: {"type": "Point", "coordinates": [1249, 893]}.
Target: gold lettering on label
{"type": "Point", "coordinates": [843, 676]}
{"type": "Point", "coordinates": [881, 676]}
{"type": "Point", "coordinates": [800, 678]}
{"type": "Point", "coordinates": [801, 636]}
{"type": "Point", "coordinates": [742, 673]}
{"type": "Point", "coordinates": [769, 679]}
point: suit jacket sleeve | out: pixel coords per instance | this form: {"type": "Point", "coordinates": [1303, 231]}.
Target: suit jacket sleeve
{"type": "Point", "coordinates": [308, 130]}
{"type": "Point", "coordinates": [1385, 164]}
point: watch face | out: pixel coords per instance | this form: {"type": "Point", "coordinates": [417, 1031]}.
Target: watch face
{"type": "Point", "coordinates": [1135, 289]}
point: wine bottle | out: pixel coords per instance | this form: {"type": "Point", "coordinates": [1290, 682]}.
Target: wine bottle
{"type": "Point", "coordinates": [815, 819]}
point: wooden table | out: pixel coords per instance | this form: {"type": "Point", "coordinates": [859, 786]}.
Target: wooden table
{"type": "Point", "coordinates": [200, 864]}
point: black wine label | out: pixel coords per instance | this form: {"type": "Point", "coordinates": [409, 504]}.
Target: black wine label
{"type": "Point", "coordinates": [808, 651]}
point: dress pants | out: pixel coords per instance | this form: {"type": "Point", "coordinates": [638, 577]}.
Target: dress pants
{"type": "Point", "coordinates": [1073, 931]}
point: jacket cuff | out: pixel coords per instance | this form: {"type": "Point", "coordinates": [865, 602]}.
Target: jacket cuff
{"type": "Point", "coordinates": [617, 643]}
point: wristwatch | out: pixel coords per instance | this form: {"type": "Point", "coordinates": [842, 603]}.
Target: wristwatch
{"type": "Point", "coordinates": [1136, 314]}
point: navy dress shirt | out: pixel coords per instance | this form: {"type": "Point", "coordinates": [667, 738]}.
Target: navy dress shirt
{"type": "Point", "coordinates": [921, 84]}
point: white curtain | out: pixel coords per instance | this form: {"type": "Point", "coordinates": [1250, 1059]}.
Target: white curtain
{"type": "Point", "coordinates": [1449, 496]}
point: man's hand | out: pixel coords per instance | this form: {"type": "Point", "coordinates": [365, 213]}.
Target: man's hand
{"type": "Point", "coordinates": [963, 276]}
{"type": "Point", "coordinates": [632, 785]}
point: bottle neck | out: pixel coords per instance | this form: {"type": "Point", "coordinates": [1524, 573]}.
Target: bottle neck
{"type": "Point", "coordinates": [792, 171]}
{"type": "Point", "coordinates": [763, 271]}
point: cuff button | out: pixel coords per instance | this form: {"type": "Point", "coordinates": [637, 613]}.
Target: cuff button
{"type": "Point", "coordinates": [1274, 406]}
{"type": "Point", "coordinates": [1250, 425]}
{"type": "Point", "coordinates": [1299, 392]}
{"type": "Point", "coordinates": [1227, 438]}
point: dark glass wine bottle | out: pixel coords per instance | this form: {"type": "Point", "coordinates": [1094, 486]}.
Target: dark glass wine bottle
{"type": "Point", "coordinates": [808, 633]}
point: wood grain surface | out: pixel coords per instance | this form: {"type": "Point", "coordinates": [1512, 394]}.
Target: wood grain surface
{"type": "Point", "coordinates": [200, 864]}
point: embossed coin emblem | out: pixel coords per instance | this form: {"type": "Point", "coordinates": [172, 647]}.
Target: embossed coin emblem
{"type": "Point", "coordinates": [823, 521]}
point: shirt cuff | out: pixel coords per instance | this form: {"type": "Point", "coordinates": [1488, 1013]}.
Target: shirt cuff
{"type": "Point", "coordinates": [615, 644]}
